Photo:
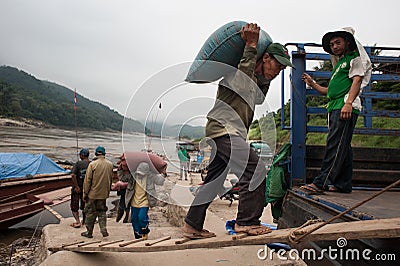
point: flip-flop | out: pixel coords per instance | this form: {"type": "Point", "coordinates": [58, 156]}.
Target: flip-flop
{"type": "Point", "coordinates": [199, 235]}
{"type": "Point", "coordinates": [312, 190]}
{"type": "Point", "coordinates": [253, 230]}
{"type": "Point", "coordinates": [262, 230]}
{"type": "Point", "coordinates": [75, 225]}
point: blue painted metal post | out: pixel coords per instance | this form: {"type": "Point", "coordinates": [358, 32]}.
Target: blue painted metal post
{"type": "Point", "coordinates": [367, 102]}
{"type": "Point", "coordinates": [298, 120]}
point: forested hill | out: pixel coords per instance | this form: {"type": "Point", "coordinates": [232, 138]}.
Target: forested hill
{"type": "Point", "coordinates": [24, 96]}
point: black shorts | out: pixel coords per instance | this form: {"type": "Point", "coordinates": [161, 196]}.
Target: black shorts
{"type": "Point", "coordinates": [77, 198]}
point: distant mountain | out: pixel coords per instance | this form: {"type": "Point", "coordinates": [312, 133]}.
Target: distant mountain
{"type": "Point", "coordinates": [24, 96]}
{"type": "Point", "coordinates": [181, 131]}
{"type": "Point", "coordinates": [187, 131]}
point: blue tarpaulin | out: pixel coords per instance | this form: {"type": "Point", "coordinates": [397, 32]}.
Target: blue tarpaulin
{"type": "Point", "coordinates": [24, 164]}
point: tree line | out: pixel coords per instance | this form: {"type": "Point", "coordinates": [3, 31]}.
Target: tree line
{"type": "Point", "coordinates": [24, 96]}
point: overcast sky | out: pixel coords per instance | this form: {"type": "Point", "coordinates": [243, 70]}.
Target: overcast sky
{"type": "Point", "coordinates": [108, 49]}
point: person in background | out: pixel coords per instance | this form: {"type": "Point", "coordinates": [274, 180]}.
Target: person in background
{"type": "Point", "coordinates": [96, 190]}
{"type": "Point", "coordinates": [227, 128]}
{"type": "Point", "coordinates": [183, 162]}
{"type": "Point", "coordinates": [123, 175]}
{"type": "Point", "coordinates": [349, 72]}
{"type": "Point", "coordinates": [78, 175]}
{"type": "Point", "coordinates": [141, 194]}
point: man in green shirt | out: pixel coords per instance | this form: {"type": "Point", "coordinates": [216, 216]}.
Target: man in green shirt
{"type": "Point", "coordinates": [343, 109]}
{"type": "Point", "coordinates": [227, 127]}
{"type": "Point", "coordinates": [183, 162]}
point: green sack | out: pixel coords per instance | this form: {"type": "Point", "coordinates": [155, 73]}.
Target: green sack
{"type": "Point", "coordinates": [221, 53]}
{"type": "Point", "coordinates": [276, 185]}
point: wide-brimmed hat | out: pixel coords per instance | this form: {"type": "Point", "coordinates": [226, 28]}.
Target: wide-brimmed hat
{"type": "Point", "coordinates": [346, 33]}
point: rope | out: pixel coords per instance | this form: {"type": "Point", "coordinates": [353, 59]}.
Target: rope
{"type": "Point", "coordinates": [34, 232]}
{"type": "Point", "coordinates": [301, 230]}
{"type": "Point", "coordinates": [292, 235]}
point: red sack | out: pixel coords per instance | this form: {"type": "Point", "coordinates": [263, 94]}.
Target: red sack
{"type": "Point", "coordinates": [133, 159]}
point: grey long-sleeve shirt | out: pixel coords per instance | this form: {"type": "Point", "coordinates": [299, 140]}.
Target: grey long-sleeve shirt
{"type": "Point", "coordinates": [237, 95]}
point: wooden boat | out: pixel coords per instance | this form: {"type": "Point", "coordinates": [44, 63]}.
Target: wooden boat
{"type": "Point", "coordinates": [39, 183]}
{"type": "Point", "coordinates": [17, 210]}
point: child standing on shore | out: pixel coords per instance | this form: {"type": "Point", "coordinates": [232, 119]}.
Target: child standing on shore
{"type": "Point", "coordinates": [141, 194]}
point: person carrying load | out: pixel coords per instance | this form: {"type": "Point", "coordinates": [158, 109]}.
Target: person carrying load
{"type": "Point", "coordinates": [227, 127]}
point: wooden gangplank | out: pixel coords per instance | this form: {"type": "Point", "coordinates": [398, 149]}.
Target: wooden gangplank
{"type": "Point", "coordinates": [382, 228]}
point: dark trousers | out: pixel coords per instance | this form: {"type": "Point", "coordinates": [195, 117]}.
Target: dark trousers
{"type": "Point", "coordinates": [337, 165]}
{"type": "Point", "coordinates": [231, 153]}
{"type": "Point", "coordinates": [121, 205]}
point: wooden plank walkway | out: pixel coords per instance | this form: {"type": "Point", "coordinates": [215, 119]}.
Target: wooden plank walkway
{"type": "Point", "coordinates": [383, 228]}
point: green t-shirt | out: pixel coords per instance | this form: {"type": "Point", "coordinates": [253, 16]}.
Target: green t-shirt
{"type": "Point", "coordinates": [340, 83]}
{"type": "Point", "coordinates": [183, 156]}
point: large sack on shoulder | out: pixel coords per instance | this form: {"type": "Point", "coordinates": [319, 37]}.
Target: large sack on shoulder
{"type": "Point", "coordinates": [222, 51]}
{"type": "Point", "coordinates": [133, 159]}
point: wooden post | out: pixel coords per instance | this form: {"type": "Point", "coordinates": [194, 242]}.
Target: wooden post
{"type": "Point", "coordinates": [111, 242]}
{"type": "Point", "coordinates": [88, 243]}
{"type": "Point", "coordinates": [130, 242]}
{"type": "Point", "coordinates": [157, 241]}
{"type": "Point", "coordinates": [182, 240]}
{"type": "Point", "coordinates": [71, 244]}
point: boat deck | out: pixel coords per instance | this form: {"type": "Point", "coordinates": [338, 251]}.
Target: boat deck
{"type": "Point", "coordinates": [383, 206]}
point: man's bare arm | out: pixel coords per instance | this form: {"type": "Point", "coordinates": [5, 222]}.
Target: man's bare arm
{"type": "Point", "coordinates": [311, 83]}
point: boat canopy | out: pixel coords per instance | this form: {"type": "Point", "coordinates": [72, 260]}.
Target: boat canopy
{"type": "Point", "coordinates": [14, 165]}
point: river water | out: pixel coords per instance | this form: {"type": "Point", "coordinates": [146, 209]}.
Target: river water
{"type": "Point", "coordinates": [60, 145]}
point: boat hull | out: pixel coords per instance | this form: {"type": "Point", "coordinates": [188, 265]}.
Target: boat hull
{"type": "Point", "coordinates": [16, 211]}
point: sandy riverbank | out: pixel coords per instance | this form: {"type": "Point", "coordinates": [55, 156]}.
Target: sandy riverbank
{"type": "Point", "coordinates": [22, 122]}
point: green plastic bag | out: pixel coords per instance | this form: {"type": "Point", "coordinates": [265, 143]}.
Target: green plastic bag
{"type": "Point", "coordinates": [276, 185]}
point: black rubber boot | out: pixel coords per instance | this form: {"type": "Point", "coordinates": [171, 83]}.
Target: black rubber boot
{"type": "Point", "coordinates": [137, 236]}
{"type": "Point", "coordinates": [120, 213]}
{"type": "Point", "coordinates": [145, 233]}
{"type": "Point", "coordinates": [126, 218]}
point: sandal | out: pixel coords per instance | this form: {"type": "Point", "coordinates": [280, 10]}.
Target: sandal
{"type": "Point", "coordinates": [191, 233]}
{"type": "Point", "coordinates": [86, 234]}
{"type": "Point", "coordinates": [199, 234]}
{"type": "Point", "coordinates": [252, 230]}
{"type": "Point", "coordinates": [332, 188]}
{"type": "Point", "coordinates": [76, 225]}
{"type": "Point", "coordinates": [312, 189]}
